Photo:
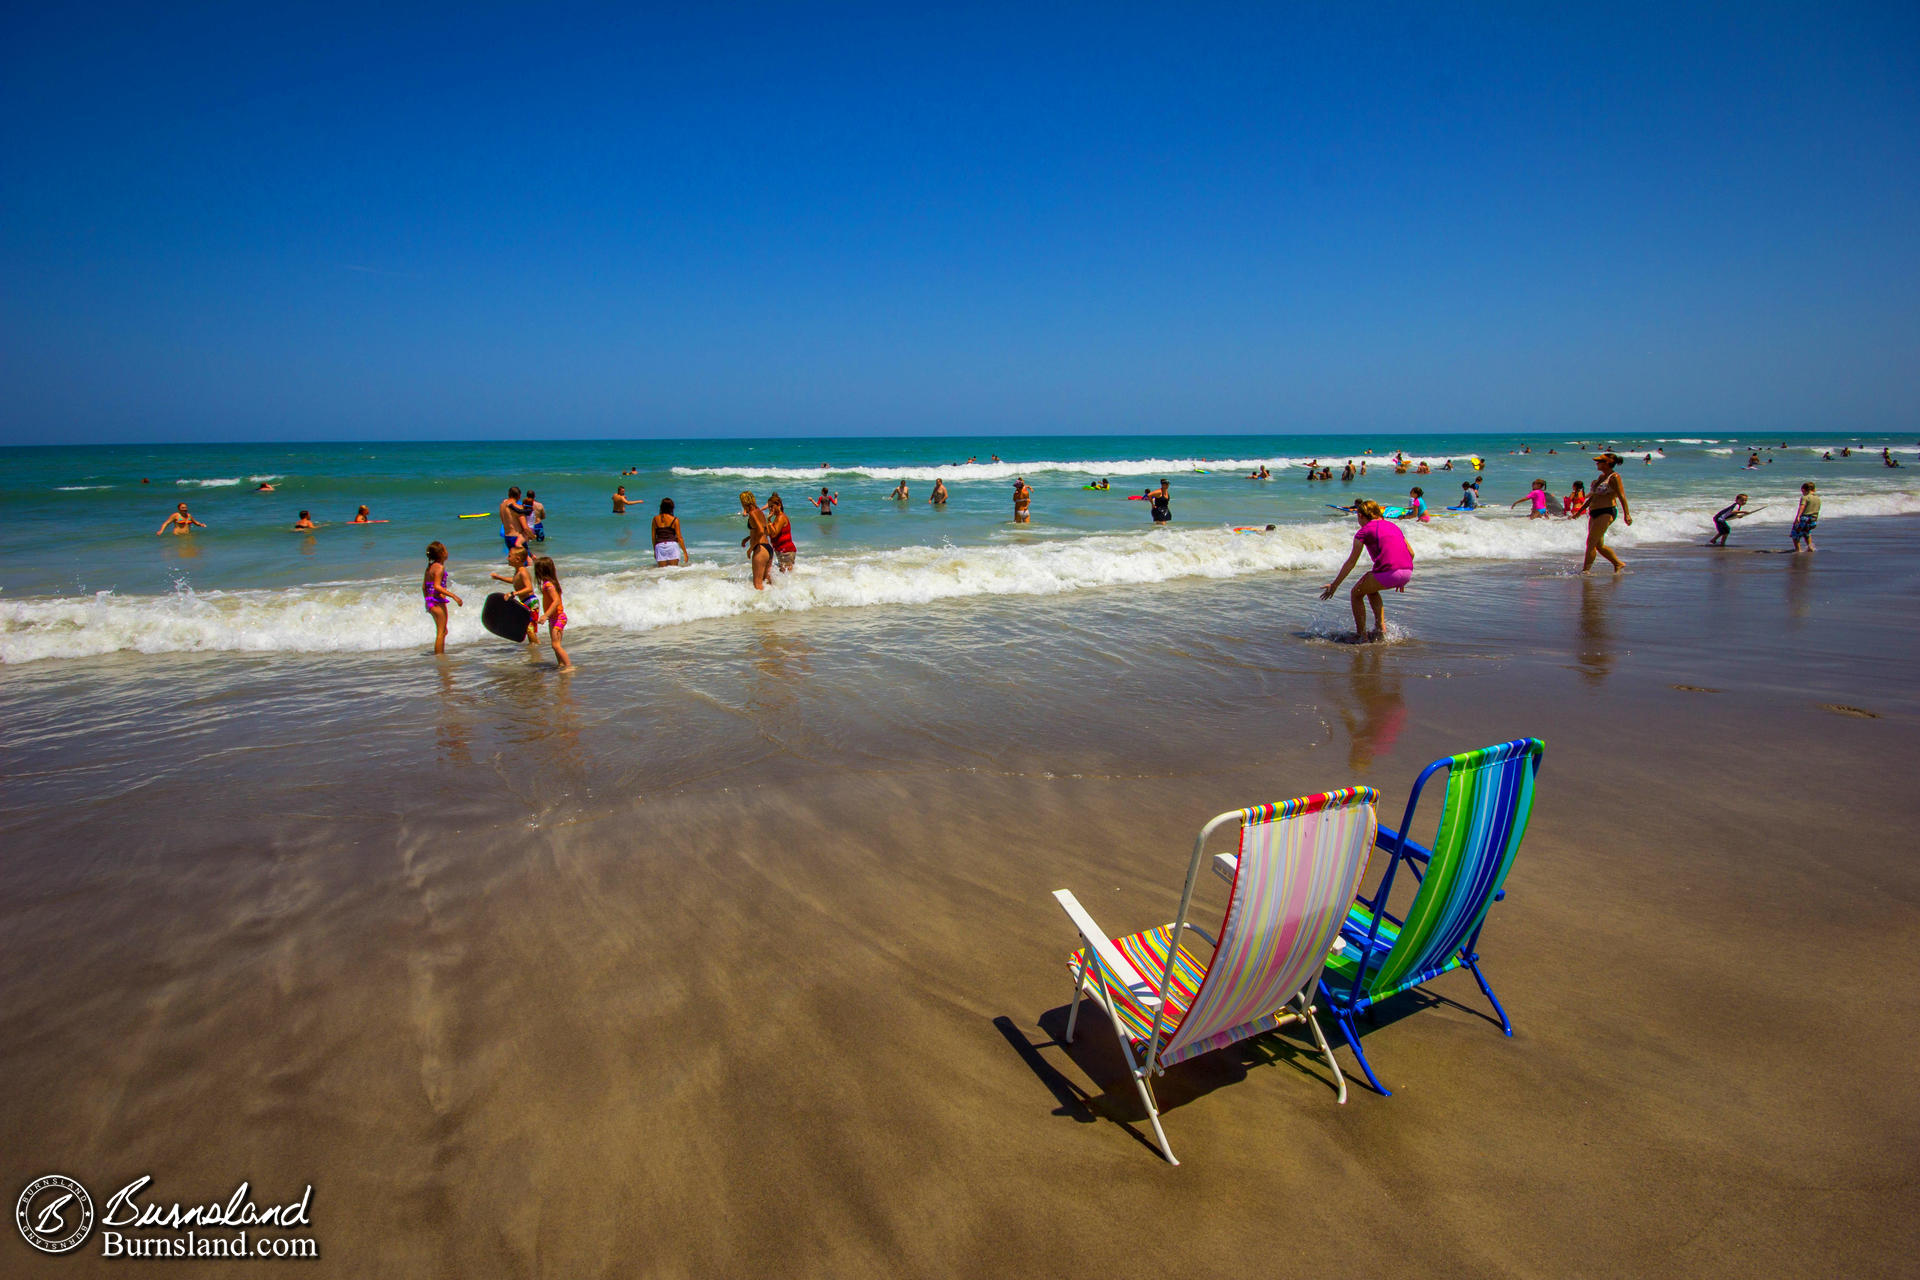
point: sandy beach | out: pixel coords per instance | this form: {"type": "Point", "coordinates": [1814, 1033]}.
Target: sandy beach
{"type": "Point", "coordinates": [754, 970]}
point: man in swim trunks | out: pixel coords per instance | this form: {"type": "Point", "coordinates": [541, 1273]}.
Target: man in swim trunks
{"type": "Point", "coordinates": [180, 522]}
{"type": "Point", "coordinates": [513, 521]}
{"type": "Point", "coordinates": [1022, 501]}
{"type": "Point", "coordinates": [621, 501]}
{"type": "Point", "coordinates": [939, 498]}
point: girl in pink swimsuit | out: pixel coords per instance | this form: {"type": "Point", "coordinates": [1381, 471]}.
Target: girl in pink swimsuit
{"type": "Point", "coordinates": [553, 606]}
{"type": "Point", "coordinates": [437, 592]}
{"type": "Point", "coordinates": [1392, 569]}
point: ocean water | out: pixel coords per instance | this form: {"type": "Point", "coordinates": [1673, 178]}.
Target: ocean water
{"type": "Point", "coordinates": [82, 573]}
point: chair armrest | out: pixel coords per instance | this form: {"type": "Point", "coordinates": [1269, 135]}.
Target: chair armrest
{"type": "Point", "coordinates": [1096, 937]}
{"type": "Point", "coordinates": [1226, 865]}
{"type": "Point", "coordinates": [1393, 842]}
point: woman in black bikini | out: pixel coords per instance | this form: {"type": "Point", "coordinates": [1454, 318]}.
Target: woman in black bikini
{"type": "Point", "coordinates": [759, 539]}
{"type": "Point", "coordinates": [1608, 499]}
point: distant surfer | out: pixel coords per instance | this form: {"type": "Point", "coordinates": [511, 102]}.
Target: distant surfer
{"type": "Point", "coordinates": [669, 543]}
{"type": "Point", "coordinates": [181, 521]}
{"type": "Point", "coordinates": [437, 591]}
{"type": "Point", "coordinates": [363, 516]}
{"type": "Point", "coordinates": [264, 487]}
{"type": "Point", "coordinates": [1022, 501]}
{"type": "Point", "coordinates": [621, 501]}
{"type": "Point", "coordinates": [1392, 569]}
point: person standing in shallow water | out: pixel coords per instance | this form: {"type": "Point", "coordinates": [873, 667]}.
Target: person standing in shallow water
{"type": "Point", "coordinates": [436, 590]}
{"type": "Point", "coordinates": [1022, 501]}
{"type": "Point", "coordinates": [1161, 500]}
{"type": "Point", "coordinates": [780, 530]}
{"type": "Point", "coordinates": [1608, 500]}
{"type": "Point", "coordinates": [1806, 516]}
{"type": "Point", "coordinates": [759, 539]}
{"type": "Point", "coordinates": [181, 521]}
{"type": "Point", "coordinates": [1392, 569]}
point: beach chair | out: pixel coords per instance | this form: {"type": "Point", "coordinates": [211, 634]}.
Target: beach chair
{"type": "Point", "coordinates": [1482, 821]}
{"type": "Point", "coordinates": [1171, 999]}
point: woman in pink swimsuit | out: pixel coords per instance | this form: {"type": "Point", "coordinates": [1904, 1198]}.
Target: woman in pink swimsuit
{"type": "Point", "coordinates": [1392, 569]}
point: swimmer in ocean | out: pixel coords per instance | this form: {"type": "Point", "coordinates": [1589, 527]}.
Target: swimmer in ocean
{"type": "Point", "coordinates": [363, 516]}
{"type": "Point", "coordinates": [939, 498]}
{"type": "Point", "coordinates": [305, 521]}
{"type": "Point", "coordinates": [621, 501]}
{"type": "Point", "coordinates": [899, 493]}
{"type": "Point", "coordinates": [825, 501]}
{"type": "Point", "coordinates": [180, 522]}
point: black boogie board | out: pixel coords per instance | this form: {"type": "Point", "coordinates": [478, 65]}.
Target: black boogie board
{"type": "Point", "coordinates": [506, 618]}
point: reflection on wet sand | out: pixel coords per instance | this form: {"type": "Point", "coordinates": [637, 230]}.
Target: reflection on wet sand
{"type": "Point", "coordinates": [1595, 656]}
{"type": "Point", "coordinates": [1799, 583]}
{"type": "Point", "coordinates": [452, 735]}
{"type": "Point", "coordinates": [1377, 712]}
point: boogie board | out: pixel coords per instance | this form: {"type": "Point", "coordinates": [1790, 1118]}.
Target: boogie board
{"type": "Point", "coordinates": [478, 515]}
{"type": "Point", "coordinates": [506, 618]}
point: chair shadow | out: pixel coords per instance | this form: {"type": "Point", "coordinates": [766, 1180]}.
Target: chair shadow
{"type": "Point", "coordinates": [1096, 1052]}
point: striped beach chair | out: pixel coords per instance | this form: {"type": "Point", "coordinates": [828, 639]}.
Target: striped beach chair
{"type": "Point", "coordinates": [1482, 821]}
{"type": "Point", "coordinates": [1175, 992]}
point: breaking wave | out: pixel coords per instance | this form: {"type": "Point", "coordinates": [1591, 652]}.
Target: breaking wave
{"type": "Point", "coordinates": [961, 472]}
{"type": "Point", "coordinates": [386, 615]}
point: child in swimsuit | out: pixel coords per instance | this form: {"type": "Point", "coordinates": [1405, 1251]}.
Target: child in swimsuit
{"type": "Point", "coordinates": [780, 526]}
{"type": "Point", "coordinates": [1722, 517]}
{"type": "Point", "coordinates": [1392, 569]}
{"type": "Point", "coordinates": [553, 606]}
{"type": "Point", "coordinates": [1807, 516]}
{"type": "Point", "coordinates": [520, 587]}
{"type": "Point", "coordinates": [669, 544]}
{"type": "Point", "coordinates": [437, 591]}
{"type": "Point", "coordinates": [1418, 507]}
{"type": "Point", "coordinates": [1576, 501]}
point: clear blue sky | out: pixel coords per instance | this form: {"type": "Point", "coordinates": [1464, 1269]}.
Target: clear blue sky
{"type": "Point", "coordinates": [266, 222]}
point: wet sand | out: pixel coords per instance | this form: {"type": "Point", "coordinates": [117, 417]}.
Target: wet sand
{"type": "Point", "coordinates": [768, 980]}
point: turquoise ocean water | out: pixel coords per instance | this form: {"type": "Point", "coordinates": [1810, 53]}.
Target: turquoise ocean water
{"type": "Point", "coordinates": [82, 572]}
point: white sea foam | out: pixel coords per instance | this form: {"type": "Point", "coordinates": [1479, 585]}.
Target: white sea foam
{"type": "Point", "coordinates": [265, 479]}
{"type": "Point", "coordinates": [386, 615]}
{"type": "Point", "coordinates": [961, 472]}
{"type": "Point", "coordinates": [77, 488]}
{"type": "Point", "coordinates": [219, 482]}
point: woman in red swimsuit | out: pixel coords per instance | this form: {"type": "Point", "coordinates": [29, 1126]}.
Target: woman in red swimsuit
{"type": "Point", "coordinates": [781, 528]}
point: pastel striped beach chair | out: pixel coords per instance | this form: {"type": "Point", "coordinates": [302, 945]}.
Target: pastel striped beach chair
{"type": "Point", "coordinates": [1175, 992]}
{"type": "Point", "coordinates": [1482, 821]}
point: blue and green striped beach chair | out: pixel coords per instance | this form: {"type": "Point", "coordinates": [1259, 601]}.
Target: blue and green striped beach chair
{"type": "Point", "coordinates": [1482, 821]}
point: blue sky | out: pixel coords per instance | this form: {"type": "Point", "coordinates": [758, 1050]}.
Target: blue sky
{"type": "Point", "coordinates": [270, 222]}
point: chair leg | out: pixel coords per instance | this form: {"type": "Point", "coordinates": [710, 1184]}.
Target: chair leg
{"type": "Point", "coordinates": [1473, 963]}
{"type": "Point", "coordinates": [1079, 981]}
{"type": "Point", "coordinates": [1153, 1114]}
{"type": "Point", "coordinates": [1320, 1039]}
{"type": "Point", "coordinates": [1352, 1033]}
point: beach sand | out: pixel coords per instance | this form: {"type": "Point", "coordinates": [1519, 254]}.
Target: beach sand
{"type": "Point", "coordinates": [752, 968]}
